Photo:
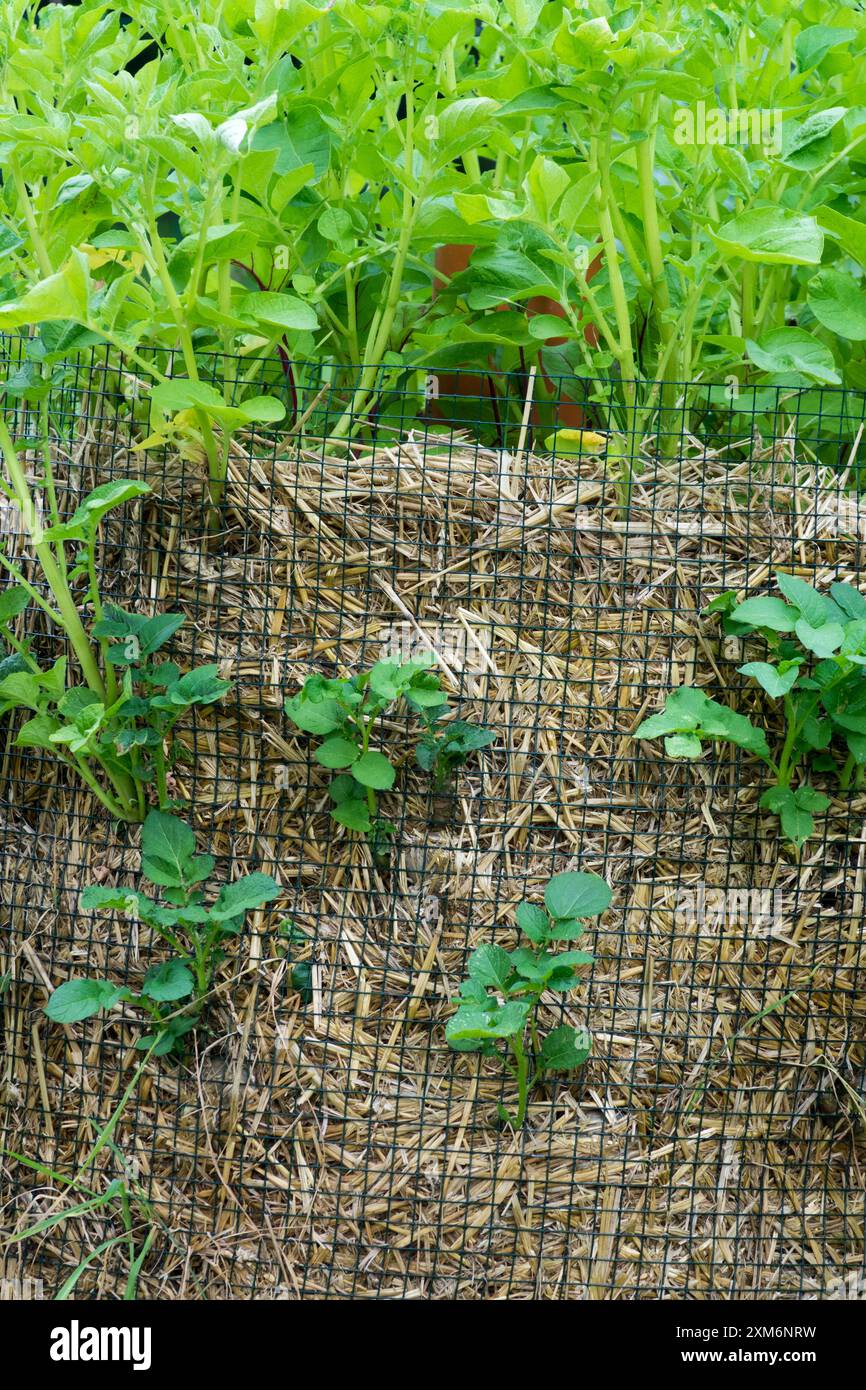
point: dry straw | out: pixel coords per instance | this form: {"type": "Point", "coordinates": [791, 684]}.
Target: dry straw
{"type": "Point", "coordinates": [710, 1148]}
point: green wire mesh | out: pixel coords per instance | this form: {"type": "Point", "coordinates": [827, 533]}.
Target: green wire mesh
{"type": "Point", "coordinates": [324, 1141]}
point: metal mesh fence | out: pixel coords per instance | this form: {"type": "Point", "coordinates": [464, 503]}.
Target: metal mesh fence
{"type": "Point", "coordinates": [325, 1141]}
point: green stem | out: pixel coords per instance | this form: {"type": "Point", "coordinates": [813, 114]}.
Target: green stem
{"type": "Point", "coordinates": [39, 248]}
{"type": "Point", "coordinates": [533, 1033]}
{"type": "Point", "coordinates": [96, 605]}
{"type": "Point", "coordinates": [522, 1074]}
{"type": "Point", "coordinates": [67, 611]}
{"type": "Point", "coordinates": [108, 801]}
{"type": "Point", "coordinates": [645, 153]}
{"type": "Point", "coordinates": [380, 328]}
{"type": "Point", "coordinates": [747, 310]}
{"type": "Point", "coordinates": [159, 764]}
{"type": "Point", "coordinates": [157, 258]}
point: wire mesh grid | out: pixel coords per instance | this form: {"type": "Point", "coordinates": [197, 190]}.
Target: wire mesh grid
{"type": "Point", "coordinates": [325, 1142]}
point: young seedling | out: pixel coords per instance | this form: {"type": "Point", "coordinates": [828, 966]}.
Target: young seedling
{"type": "Point", "coordinates": [112, 728]}
{"type": "Point", "coordinates": [499, 999]}
{"type": "Point", "coordinates": [172, 994]}
{"type": "Point", "coordinates": [292, 937]}
{"type": "Point", "coordinates": [444, 750]}
{"type": "Point", "coordinates": [817, 653]}
{"type": "Point", "coordinates": [343, 713]}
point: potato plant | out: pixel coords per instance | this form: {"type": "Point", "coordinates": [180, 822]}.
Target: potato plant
{"type": "Point", "coordinates": [344, 714]}
{"type": "Point", "coordinates": [445, 749]}
{"type": "Point", "coordinates": [816, 655]}
{"type": "Point", "coordinates": [273, 181]}
{"type": "Point", "coordinates": [500, 998]}
{"type": "Point", "coordinates": [112, 725]}
{"type": "Point", "coordinates": [173, 994]}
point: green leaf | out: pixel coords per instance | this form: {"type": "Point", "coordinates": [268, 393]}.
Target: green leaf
{"type": "Point", "coordinates": [167, 982]}
{"type": "Point", "coordinates": [849, 599]}
{"type": "Point", "coordinates": [12, 602]}
{"type": "Point", "coordinates": [156, 631]}
{"type": "Point", "coordinates": [566, 929]}
{"type": "Point", "coordinates": [490, 966]}
{"type": "Point", "coordinates": [76, 700]}
{"type": "Point", "coordinates": [20, 688]}
{"type": "Point", "coordinates": [469, 1028]}
{"type": "Point", "coordinates": [374, 770]}
{"type": "Point", "coordinates": [769, 677]}
{"type": "Point", "coordinates": [545, 183]}
{"type": "Point", "coordinates": [170, 397]}
{"type": "Point", "coordinates": [104, 498]}
{"type": "Point", "coordinates": [343, 787]}
{"type": "Point", "coordinates": [473, 992]}
{"type": "Point", "coordinates": [794, 810]}
{"type": "Point", "coordinates": [722, 603]}
{"type": "Point", "coordinates": [425, 692]}
{"type": "Point", "coordinates": [772, 236]}
{"type": "Point", "coordinates": [243, 895]}
{"type": "Point", "coordinates": [541, 966]}
{"type": "Point", "coordinates": [683, 746]}
{"type": "Point", "coordinates": [79, 999]}
{"type": "Point", "coordinates": [690, 711]}
{"type": "Point", "coordinates": [856, 744]}
{"type": "Point", "coordinates": [813, 43]}
{"type": "Point", "coordinates": [839, 303]}
{"type": "Point", "coordinates": [201, 686]}
{"type": "Point", "coordinates": [786, 350]}
{"type": "Point", "coordinates": [337, 752]}
{"type": "Point", "coordinates": [60, 296]}
{"type": "Point", "coordinates": [167, 846]}
{"type": "Point", "coordinates": [811, 604]}
{"type": "Point", "coordinates": [98, 898]}
{"type": "Point", "coordinates": [811, 800]}
{"type": "Point", "coordinates": [314, 716]}
{"type": "Point", "coordinates": [850, 234]}
{"type": "Point", "coordinates": [11, 664]}
{"type": "Point", "coordinates": [283, 311]}
{"type": "Point", "coordinates": [564, 1049]}
{"type": "Point", "coordinates": [806, 143]}
{"type": "Point", "coordinates": [354, 813]}
{"type": "Point", "coordinates": [576, 894]}
{"type": "Point", "coordinates": [533, 921]}
{"type": "Point", "coordinates": [823, 641]}
{"type": "Point", "coordinates": [681, 714]}
{"type": "Point", "coordinates": [472, 1022]}
{"type": "Point", "coordinates": [38, 733]}
{"type": "Point", "coordinates": [722, 723]}
{"type": "Point", "coordinates": [767, 611]}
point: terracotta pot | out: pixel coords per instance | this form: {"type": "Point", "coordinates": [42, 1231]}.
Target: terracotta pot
{"type": "Point", "coordinates": [568, 414]}
{"type": "Point", "coordinates": [453, 258]}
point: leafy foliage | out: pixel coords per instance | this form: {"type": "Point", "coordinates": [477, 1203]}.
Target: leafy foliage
{"type": "Point", "coordinates": [343, 713]}
{"type": "Point", "coordinates": [442, 753]}
{"type": "Point", "coordinates": [173, 993]}
{"type": "Point", "coordinates": [817, 668]}
{"type": "Point", "coordinates": [112, 729]}
{"type": "Point", "coordinates": [500, 997]}
{"type": "Point", "coordinates": [288, 194]}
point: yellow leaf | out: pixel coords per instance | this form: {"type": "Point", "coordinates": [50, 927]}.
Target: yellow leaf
{"type": "Point", "coordinates": [99, 256]}
{"type": "Point", "coordinates": [575, 441]}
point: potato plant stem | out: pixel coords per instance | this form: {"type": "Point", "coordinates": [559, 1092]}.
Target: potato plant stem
{"type": "Point", "coordinates": [380, 328]}
{"type": "Point", "coordinates": [66, 616]}
{"type": "Point", "coordinates": [522, 1074]}
{"type": "Point", "coordinates": [216, 467]}
{"type": "Point", "coordinates": [66, 608]}
{"type": "Point", "coordinates": [39, 248]}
